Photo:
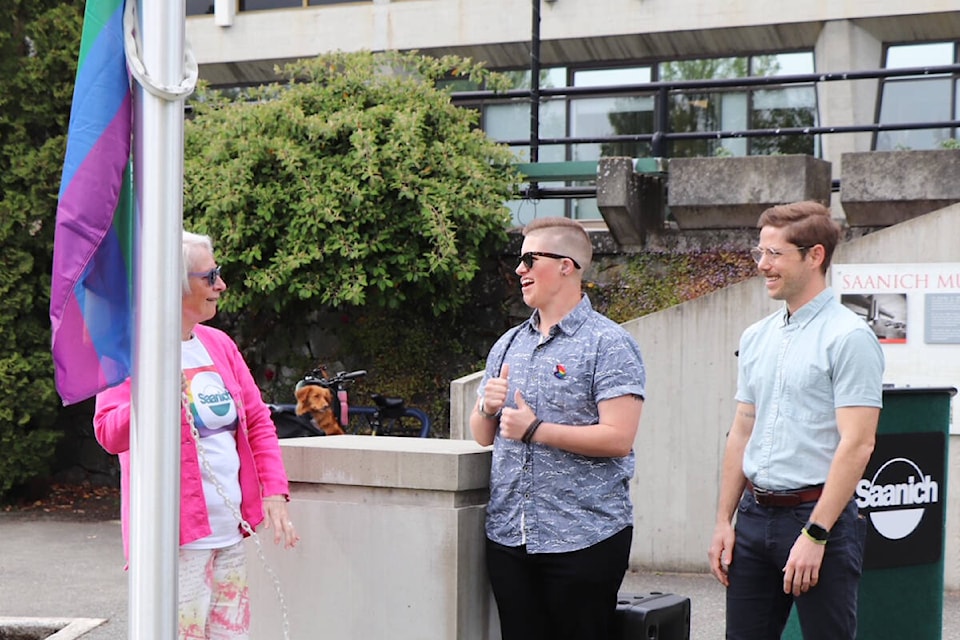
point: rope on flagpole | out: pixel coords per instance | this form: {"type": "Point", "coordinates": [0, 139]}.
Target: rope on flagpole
{"type": "Point", "coordinates": [132, 48]}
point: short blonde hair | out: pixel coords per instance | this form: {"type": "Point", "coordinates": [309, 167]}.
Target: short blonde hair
{"type": "Point", "coordinates": [569, 235]}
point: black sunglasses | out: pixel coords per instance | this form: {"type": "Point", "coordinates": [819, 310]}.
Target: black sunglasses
{"type": "Point", "coordinates": [211, 276]}
{"type": "Point", "coordinates": [529, 257]}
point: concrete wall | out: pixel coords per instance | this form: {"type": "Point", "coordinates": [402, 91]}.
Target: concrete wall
{"type": "Point", "coordinates": [691, 368]}
{"type": "Point", "coordinates": [392, 542]}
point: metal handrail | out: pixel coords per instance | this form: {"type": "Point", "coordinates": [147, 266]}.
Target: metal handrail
{"type": "Point", "coordinates": [708, 83]}
{"type": "Point", "coordinates": [662, 90]}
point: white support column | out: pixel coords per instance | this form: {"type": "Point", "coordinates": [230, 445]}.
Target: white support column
{"type": "Point", "coordinates": [224, 12]}
{"type": "Point", "coordinates": [845, 46]}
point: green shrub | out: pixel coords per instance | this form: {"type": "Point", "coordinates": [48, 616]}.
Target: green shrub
{"type": "Point", "coordinates": [38, 49]}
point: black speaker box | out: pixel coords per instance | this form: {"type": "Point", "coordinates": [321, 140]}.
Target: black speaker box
{"type": "Point", "coordinates": [651, 616]}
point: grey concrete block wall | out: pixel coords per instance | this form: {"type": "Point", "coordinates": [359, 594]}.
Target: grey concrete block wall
{"type": "Point", "coordinates": [392, 542]}
{"type": "Point", "coordinates": [880, 188]}
{"type": "Point", "coordinates": [723, 193]}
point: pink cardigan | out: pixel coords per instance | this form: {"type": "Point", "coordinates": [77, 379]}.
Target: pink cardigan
{"type": "Point", "coordinates": [261, 465]}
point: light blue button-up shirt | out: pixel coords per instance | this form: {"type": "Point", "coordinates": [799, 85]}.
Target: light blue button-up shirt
{"type": "Point", "coordinates": [797, 371]}
{"type": "Point", "coordinates": [549, 499]}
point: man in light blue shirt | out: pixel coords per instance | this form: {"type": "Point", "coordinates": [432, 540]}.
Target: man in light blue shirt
{"type": "Point", "coordinates": [809, 392]}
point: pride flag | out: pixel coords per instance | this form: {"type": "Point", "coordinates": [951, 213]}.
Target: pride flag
{"type": "Point", "coordinates": [91, 292]}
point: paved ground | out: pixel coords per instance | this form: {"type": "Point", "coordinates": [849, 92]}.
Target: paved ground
{"type": "Point", "coordinates": [53, 567]}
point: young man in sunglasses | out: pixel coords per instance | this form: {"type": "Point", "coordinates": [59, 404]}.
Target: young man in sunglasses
{"type": "Point", "coordinates": [809, 391]}
{"type": "Point", "coordinates": [560, 401]}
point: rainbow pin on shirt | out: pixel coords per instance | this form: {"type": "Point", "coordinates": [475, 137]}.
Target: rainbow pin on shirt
{"type": "Point", "coordinates": [560, 372]}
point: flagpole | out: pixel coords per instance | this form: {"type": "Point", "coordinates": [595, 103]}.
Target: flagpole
{"type": "Point", "coordinates": [155, 423]}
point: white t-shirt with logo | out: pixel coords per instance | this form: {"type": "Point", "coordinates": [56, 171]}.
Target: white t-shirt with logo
{"type": "Point", "coordinates": [215, 416]}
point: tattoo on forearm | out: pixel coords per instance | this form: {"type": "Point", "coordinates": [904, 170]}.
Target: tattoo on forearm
{"type": "Point", "coordinates": [747, 414]}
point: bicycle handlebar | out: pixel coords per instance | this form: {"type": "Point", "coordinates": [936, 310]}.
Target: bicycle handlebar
{"type": "Point", "coordinates": [316, 377]}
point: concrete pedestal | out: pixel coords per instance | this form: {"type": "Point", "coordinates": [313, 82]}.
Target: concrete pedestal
{"type": "Point", "coordinates": [392, 542]}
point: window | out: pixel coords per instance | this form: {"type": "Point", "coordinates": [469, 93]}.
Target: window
{"type": "Point", "coordinates": [199, 7]}
{"type": "Point", "coordinates": [260, 5]}
{"type": "Point", "coordinates": [917, 98]}
{"type": "Point", "coordinates": [597, 117]}
{"type": "Point", "coordinates": [738, 109]}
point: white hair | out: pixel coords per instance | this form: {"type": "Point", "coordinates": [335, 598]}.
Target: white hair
{"type": "Point", "coordinates": [191, 243]}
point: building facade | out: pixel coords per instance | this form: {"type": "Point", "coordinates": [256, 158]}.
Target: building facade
{"type": "Point", "coordinates": [609, 43]}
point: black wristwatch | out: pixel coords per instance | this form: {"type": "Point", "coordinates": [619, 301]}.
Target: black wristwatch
{"type": "Point", "coordinates": [815, 531]}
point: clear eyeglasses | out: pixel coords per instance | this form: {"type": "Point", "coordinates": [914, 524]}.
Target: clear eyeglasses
{"type": "Point", "coordinates": [757, 253]}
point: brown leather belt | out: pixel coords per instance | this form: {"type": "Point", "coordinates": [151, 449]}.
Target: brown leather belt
{"type": "Point", "coordinates": [791, 498]}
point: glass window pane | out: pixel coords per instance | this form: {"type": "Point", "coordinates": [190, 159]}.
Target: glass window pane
{"type": "Point", "coordinates": [598, 117]}
{"type": "Point", "coordinates": [260, 5]}
{"type": "Point", "coordinates": [704, 69]}
{"type": "Point", "coordinates": [611, 77]}
{"type": "Point", "coordinates": [524, 211]}
{"type": "Point", "coordinates": [733, 117]}
{"type": "Point", "coordinates": [586, 209]}
{"type": "Point", "coordinates": [313, 3]}
{"type": "Point", "coordinates": [956, 102]}
{"type": "Point", "coordinates": [919, 55]}
{"type": "Point", "coordinates": [199, 7]}
{"type": "Point", "coordinates": [458, 84]}
{"type": "Point", "coordinates": [783, 108]}
{"type": "Point", "coordinates": [694, 111]}
{"type": "Point", "coordinates": [783, 64]}
{"type": "Point", "coordinates": [549, 78]}
{"type": "Point", "coordinates": [511, 121]}
{"type": "Point", "coordinates": [921, 100]}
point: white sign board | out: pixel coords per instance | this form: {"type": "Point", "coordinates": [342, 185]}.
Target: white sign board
{"type": "Point", "coordinates": [915, 311]}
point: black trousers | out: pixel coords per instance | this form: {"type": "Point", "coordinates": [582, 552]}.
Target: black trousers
{"type": "Point", "coordinates": [558, 596]}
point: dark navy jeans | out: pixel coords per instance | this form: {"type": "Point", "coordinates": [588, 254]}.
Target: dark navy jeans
{"type": "Point", "coordinates": [757, 607]}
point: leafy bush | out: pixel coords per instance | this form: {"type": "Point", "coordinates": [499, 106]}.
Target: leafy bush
{"type": "Point", "coordinates": [357, 183]}
{"type": "Point", "coordinates": [355, 190]}
{"type": "Point", "coordinates": [38, 43]}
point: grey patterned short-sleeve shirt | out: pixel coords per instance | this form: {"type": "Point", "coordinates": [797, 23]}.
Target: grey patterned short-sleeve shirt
{"type": "Point", "coordinates": [546, 498]}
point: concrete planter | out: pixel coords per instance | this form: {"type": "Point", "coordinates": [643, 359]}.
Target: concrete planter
{"type": "Point", "coordinates": [723, 193]}
{"type": "Point", "coordinates": [881, 188]}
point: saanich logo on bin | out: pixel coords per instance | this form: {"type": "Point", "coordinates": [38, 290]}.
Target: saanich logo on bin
{"type": "Point", "coordinates": [898, 495]}
{"type": "Point", "coordinates": [901, 494]}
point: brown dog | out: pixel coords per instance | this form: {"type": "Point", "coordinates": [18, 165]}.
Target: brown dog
{"type": "Point", "coordinates": [315, 400]}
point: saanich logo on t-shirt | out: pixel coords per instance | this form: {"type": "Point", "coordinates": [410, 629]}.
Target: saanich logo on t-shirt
{"type": "Point", "coordinates": [212, 403]}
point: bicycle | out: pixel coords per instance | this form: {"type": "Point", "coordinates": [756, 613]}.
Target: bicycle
{"type": "Point", "coordinates": [388, 417]}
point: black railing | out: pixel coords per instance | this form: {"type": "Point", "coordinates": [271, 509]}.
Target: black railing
{"type": "Point", "coordinates": [662, 90]}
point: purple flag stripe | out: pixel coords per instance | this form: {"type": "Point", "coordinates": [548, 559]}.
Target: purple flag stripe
{"type": "Point", "coordinates": [86, 209]}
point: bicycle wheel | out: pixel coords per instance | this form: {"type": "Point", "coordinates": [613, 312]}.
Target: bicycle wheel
{"type": "Point", "coordinates": [405, 425]}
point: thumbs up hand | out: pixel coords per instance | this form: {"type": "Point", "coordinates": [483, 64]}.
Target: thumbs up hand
{"type": "Point", "coordinates": [495, 393]}
{"type": "Point", "coordinates": [514, 422]}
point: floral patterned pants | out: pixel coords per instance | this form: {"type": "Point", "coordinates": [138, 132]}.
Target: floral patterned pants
{"type": "Point", "coordinates": [214, 601]}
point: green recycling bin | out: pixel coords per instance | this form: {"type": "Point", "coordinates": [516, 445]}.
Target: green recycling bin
{"type": "Point", "coordinates": [903, 496]}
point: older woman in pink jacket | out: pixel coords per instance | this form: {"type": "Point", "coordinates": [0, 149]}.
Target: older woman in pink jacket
{"type": "Point", "coordinates": [231, 468]}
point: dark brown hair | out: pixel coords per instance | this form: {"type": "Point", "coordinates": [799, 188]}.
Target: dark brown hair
{"type": "Point", "coordinates": [807, 224]}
